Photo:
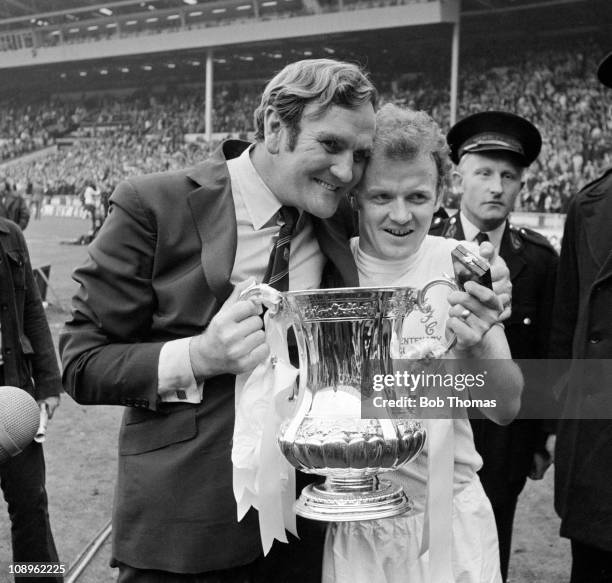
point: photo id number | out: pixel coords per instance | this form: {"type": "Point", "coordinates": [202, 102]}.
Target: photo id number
{"type": "Point", "coordinates": [36, 569]}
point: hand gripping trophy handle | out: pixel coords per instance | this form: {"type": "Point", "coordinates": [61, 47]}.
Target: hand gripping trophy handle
{"type": "Point", "coordinates": [265, 295]}
{"type": "Point", "coordinates": [278, 308]}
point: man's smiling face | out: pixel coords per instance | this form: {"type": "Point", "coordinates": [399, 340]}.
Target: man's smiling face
{"type": "Point", "coordinates": [397, 199]}
{"type": "Point", "coordinates": [327, 159]}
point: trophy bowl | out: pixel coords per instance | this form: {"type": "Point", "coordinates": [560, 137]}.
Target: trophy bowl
{"type": "Point", "coordinates": [340, 333]}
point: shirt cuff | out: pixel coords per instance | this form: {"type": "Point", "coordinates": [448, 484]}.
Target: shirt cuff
{"type": "Point", "coordinates": [176, 382]}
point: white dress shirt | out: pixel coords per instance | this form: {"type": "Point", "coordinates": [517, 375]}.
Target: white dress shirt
{"type": "Point", "coordinates": [258, 224]}
{"type": "Point", "coordinates": [470, 231]}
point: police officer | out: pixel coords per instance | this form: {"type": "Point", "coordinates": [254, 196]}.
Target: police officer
{"type": "Point", "coordinates": [491, 151]}
{"type": "Point", "coordinates": [582, 330]}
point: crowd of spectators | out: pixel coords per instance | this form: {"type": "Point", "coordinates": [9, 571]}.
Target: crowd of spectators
{"type": "Point", "coordinates": [26, 126]}
{"type": "Point", "coordinates": [31, 126]}
{"type": "Point", "coordinates": [173, 114]}
{"type": "Point", "coordinates": [574, 117]}
{"type": "Point", "coordinates": [146, 131]}
{"type": "Point", "coordinates": [103, 162]}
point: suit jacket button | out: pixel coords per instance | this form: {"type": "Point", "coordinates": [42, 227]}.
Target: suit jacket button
{"type": "Point", "coordinates": [527, 321]}
{"type": "Point", "coordinates": [594, 339]}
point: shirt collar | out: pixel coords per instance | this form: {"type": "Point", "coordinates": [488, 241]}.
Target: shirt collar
{"type": "Point", "coordinates": [259, 201]}
{"type": "Point", "coordinates": [470, 231]}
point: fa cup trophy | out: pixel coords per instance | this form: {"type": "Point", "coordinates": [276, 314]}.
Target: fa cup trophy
{"type": "Point", "coordinates": [343, 335]}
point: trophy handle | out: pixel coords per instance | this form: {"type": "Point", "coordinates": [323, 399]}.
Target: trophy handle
{"type": "Point", "coordinates": [451, 340]}
{"type": "Point", "coordinates": [264, 294]}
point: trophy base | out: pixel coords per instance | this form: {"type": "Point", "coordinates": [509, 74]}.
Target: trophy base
{"type": "Point", "coordinates": [330, 502]}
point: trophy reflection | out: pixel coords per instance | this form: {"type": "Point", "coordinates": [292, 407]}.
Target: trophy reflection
{"type": "Point", "coordinates": [343, 334]}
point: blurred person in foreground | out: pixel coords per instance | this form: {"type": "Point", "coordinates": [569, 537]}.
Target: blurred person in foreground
{"type": "Point", "coordinates": [27, 361]}
{"type": "Point", "coordinates": [158, 327]}
{"type": "Point", "coordinates": [396, 201]}
{"type": "Point", "coordinates": [13, 206]}
{"type": "Point", "coordinates": [582, 330]}
{"type": "Point", "coordinates": [491, 151]}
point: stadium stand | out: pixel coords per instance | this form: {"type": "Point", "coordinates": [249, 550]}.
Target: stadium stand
{"type": "Point", "coordinates": [145, 132]}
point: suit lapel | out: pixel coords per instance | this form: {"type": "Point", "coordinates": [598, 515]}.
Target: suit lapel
{"type": "Point", "coordinates": [212, 208]}
{"type": "Point", "coordinates": [511, 253]}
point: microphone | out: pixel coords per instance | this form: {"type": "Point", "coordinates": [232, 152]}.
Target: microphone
{"type": "Point", "coordinates": [19, 420]}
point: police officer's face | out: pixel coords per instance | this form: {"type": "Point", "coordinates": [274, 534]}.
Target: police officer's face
{"type": "Point", "coordinates": [327, 159]}
{"type": "Point", "coordinates": [396, 201]}
{"type": "Point", "coordinates": [489, 184]}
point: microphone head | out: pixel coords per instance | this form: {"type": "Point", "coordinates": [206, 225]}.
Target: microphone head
{"type": "Point", "coordinates": [19, 419]}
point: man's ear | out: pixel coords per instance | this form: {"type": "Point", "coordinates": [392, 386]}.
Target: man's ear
{"type": "Point", "coordinates": [272, 130]}
{"type": "Point", "coordinates": [457, 181]}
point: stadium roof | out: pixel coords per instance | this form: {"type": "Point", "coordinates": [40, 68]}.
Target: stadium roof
{"type": "Point", "coordinates": [69, 10]}
{"type": "Point", "coordinates": [493, 27]}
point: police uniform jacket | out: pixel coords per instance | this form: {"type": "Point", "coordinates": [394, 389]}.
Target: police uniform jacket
{"type": "Point", "coordinates": [159, 270]}
{"type": "Point", "coordinates": [507, 451]}
{"type": "Point", "coordinates": [582, 329]}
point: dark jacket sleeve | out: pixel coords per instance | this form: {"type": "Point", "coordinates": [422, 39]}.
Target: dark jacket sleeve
{"type": "Point", "coordinates": [107, 351]}
{"type": "Point", "coordinates": [565, 310]}
{"type": "Point", "coordinates": [45, 369]}
{"type": "Point", "coordinates": [546, 304]}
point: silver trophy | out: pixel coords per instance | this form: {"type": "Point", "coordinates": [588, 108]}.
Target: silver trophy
{"type": "Point", "coordinates": [339, 333]}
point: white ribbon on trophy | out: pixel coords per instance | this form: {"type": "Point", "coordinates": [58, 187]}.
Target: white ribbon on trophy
{"type": "Point", "coordinates": [262, 477]}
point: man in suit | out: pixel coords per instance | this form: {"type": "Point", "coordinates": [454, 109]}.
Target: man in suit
{"type": "Point", "coordinates": [491, 151]}
{"type": "Point", "coordinates": [582, 330]}
{"type": "Point", "coordinates": [27, 361]}
{"type": "Point", "coordinates": [158, 327]}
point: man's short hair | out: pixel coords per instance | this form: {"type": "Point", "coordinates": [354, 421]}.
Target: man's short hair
{"type": "Point", "coordinates": [323, 81]}
{"type": "Point", "coordinates": [405, 134]}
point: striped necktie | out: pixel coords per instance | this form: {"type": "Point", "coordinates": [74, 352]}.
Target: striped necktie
{"type": "Point", "coordinates": [277, 273]}
{"type": "Point", "coordinates": [481, 237]}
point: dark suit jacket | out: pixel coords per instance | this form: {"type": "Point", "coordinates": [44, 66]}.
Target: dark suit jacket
{"type": "Point", "coordinates": [582, 329]}
{"type": "Point", "coordinates": [14, 208]}
{"type": "Point", "coordinates": [159, 270]}
{"type": "Point", "coordinates": [27, 347]}
{"type": "Point", "coordinates": [507, 451]}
